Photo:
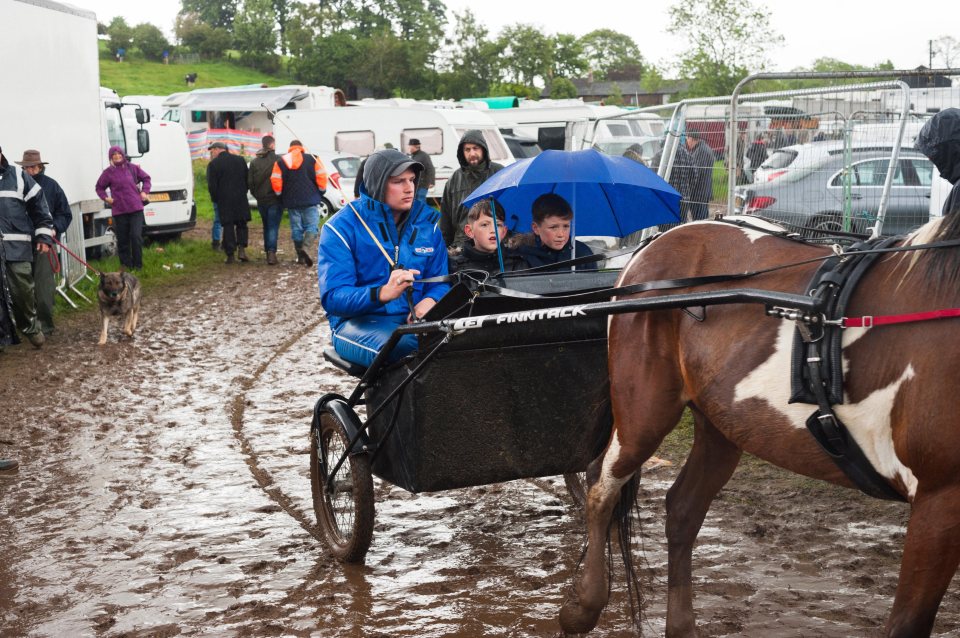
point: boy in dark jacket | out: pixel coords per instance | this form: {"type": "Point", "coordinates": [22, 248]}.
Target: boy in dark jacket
{"type": "Point", "coordinates": [258, 181]}
{"type": "Point", "coordinates": [479, 250]}
{"type": "Point", "coordinates": [550, 242]}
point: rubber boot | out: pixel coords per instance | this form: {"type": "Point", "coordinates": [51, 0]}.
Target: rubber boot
{"type": "Point", "coordinates": [230, 259]}
{"type": "Point", "coordinates": [271, 257]}
{"type": "Point", "coordinates": [309, 248]}
{"type": "Point", "coordinates": [298, 246]}
{"type": "Point", "coordinates": [242, 254]}
{"type": "Point", "coordinates": [215, 244]}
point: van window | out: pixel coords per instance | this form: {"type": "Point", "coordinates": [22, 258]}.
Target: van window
{"type": "Point", "coordinates": [360, 143]}
{"type": "Point", "coordinates": [173, 115]}
{"type": "Point", "coordinates": [431, 139]}
{"type": "Point", "coordinates": [198, 117]}
{"type": "Point", "coordinates": [115, 133]}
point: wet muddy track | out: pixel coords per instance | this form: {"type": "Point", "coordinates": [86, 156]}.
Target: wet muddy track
{"type": "Point", "coordinates": [164, 491]}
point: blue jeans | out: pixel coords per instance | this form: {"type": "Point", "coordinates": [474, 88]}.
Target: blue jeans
{"type": "Point", "coordinates": [271, 215]}
{"type": "Point", "coordinates": [304, 220]}
{"type": "Point", "coordinates": [217, 233]}
{"type": "Point", "coordinates": [422, 194]}
{"type": "Point", "coordinates": [361, 338]}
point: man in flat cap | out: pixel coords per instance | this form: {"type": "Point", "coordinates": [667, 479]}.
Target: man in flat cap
{"type": "Point", "coordinates": [429, 176]}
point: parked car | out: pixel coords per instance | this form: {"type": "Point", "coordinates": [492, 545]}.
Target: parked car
{"type": "Point", "coordinates": [521, 147]}
{"type": "Point", "coordinates": [814, 198]}
{"type": "Point", "coordinates": [341, 173]}
{"type": "Point", "coordinates": [646, 147]}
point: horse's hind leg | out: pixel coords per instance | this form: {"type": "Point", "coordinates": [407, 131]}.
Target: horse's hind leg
{"type": "Point", "coordinates": [712, 461]}
{"type": "Point", "coordinates": [622, 458]}
{"type": "Point", "coordinates": [930, 558]}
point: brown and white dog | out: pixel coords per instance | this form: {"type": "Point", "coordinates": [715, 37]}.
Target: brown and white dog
{"type": "Point", "coordinates": [119, 296]}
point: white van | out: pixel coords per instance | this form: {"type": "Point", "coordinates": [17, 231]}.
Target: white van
{"type": "Point", "coordinates": [363, 130]}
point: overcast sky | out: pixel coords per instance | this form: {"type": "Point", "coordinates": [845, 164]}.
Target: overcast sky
{"type": "Point", "coordinates": [855, 31]}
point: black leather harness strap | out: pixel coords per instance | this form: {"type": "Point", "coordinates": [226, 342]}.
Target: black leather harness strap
{"type": "Point", "coordinates": [817, 369]}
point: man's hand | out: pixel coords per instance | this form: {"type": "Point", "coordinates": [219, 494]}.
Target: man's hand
{"type": "Point", "coordinates": [42, 248]}
{"type": "Point", "coordinates": [422, 308]}
{"type": "Point", "coordinates": [398, 282]}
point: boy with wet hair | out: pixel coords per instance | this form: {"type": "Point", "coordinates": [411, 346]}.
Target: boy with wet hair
{"type": "Point", "coordinates": [550, 242]}
{"type": "Point", "coordinates": [479, 250]}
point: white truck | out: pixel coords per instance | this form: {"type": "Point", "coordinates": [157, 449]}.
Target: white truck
{"type": "Point", "coordinates": [361, 130]}
{"type": "Point", "coordinates": [55, 104]}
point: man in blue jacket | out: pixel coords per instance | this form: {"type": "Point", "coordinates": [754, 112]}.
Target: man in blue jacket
{"type": "Point", "coordinates": [371, 254]}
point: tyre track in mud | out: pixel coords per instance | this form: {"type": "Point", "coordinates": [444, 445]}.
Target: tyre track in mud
{"type": "Point", "coordinates": [261, 475]}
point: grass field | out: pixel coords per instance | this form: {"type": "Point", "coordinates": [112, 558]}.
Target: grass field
{"type": "Point", "coordinates": [136, 76]}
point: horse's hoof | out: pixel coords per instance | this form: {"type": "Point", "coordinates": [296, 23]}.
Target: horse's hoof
{"type": "Point", "coordinates": [574, 619]}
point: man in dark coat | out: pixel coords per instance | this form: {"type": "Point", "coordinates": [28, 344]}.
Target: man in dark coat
{"type": "Point", "coordinates": [44, 285]}
{"type": "Point", "coordinates": [258, 181]}
{"type": "Point", "coordinates": [429, 175]}
{"type": "Point", "coordinates": [475, 168]}
{"type": "Point", "coordinates": [939, 140]}
{"type": "Point", "coordinates": [700, 176]}
{"type": "Point", "coordinates": [227, 183]}
{"type": "Point", "coordinates": [25, 222]}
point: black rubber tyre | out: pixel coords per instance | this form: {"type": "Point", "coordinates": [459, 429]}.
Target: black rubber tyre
{"type": "Point", "coordinates": [577, 488]}
{"type": "Point", "coordinates": [346, 514]}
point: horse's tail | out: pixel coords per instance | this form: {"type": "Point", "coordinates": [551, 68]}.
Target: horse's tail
{"type": "Point", "coordinates": [622, 518]}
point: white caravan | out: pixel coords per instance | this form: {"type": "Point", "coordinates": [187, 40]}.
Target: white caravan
{"type": "Point", "coordinates": [244, 108]}
{"type": "Point", "coordinates": [364, 129]}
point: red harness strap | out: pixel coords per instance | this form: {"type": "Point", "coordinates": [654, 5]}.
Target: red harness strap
{"type": "Point", "coordinates": [869, 321]}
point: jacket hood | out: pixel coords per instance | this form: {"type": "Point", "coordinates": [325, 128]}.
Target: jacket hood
{"type": "Point", "coordinates": [378, 168]}
{"type": "Point", "coordinates": [474, 136]}
{"type": "Point", "coordinates": [940, 141]}
{"type": "Point", "coordinates": [116, 149]}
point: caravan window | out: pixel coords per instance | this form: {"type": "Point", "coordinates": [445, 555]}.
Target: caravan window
{"type": "Point", "coordinates": [198, 117]}
{"type": "Point", "coordinates": [360, 143]}
{"type": "Point", "coordinates": [431, 139]}
{"type": "Point", "coordinates": [495, 144]}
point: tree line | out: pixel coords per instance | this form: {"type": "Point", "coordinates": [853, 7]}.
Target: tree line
{"type": "Point", "coordinates": [409, 48]}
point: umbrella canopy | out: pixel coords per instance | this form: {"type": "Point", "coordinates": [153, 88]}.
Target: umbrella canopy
{"type": "Point", "coordinates": [610, 196]}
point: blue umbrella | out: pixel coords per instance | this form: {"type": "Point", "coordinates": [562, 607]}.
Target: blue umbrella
{"type": "Point", "coordinates": [610, 196]}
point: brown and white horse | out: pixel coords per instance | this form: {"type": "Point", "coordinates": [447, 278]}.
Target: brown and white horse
{"type": "Point", "coordinates": [732, 370]}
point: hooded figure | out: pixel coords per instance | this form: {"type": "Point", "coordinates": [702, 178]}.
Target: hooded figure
{"type": "Point", "coordinates": [25, 222]}
{"type": "Point", "coordinates": [939, 140]}
{"type": "Point", "coordinates": [475, 169]}
{"type": "Point", "coordinates": [369, 253]}
{"type": "Point", "coordinates": [129, 185]}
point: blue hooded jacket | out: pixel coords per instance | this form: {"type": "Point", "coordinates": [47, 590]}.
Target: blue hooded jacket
{"type": "Point", "coordinates": [351, 267]}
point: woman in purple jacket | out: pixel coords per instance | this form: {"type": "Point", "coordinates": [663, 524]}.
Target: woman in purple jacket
{"type": "Point", "coordinates": [129, 185]}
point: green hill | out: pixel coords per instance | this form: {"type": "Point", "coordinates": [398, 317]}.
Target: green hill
{"type": "Point", "coordinates": [136, 76]}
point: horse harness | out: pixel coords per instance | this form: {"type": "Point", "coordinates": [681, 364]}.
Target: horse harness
{"type": "Point", "coordinates": [816, 373]}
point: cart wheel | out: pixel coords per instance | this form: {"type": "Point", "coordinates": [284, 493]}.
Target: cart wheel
{"type": "Point", "coordinates": [345, 513]}
{"type": "Point", "coordinates": [577, 488]}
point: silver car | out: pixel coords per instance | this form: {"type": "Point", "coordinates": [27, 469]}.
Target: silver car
{"type": "Point", "coordinates": [813, 197]}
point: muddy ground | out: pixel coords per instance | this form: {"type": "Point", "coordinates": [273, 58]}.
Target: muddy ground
{"type": "Point", "coordinates": [164, 491]}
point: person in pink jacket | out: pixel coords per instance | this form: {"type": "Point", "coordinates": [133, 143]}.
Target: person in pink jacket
{"type": "Point", "coordinates": [129, 186]}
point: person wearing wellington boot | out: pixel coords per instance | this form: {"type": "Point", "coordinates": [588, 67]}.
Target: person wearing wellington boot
{"type": "Point", "coordinates": [227, 183]}
{"type": "Point", "coordinates": [372, 254]}
{"type": "Point", "coordinates": [300, 180]}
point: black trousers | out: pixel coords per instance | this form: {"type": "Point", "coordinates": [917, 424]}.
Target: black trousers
{"type": "Point", "coordinates": [234, 234]}
{"type": "Point", "coordinates": [129, 231]}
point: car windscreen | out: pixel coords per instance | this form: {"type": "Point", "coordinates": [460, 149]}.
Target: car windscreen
{"type": "Point", "coordinates": [781, 158]}
{"type": "Point", "coordinates": [347, 166]}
